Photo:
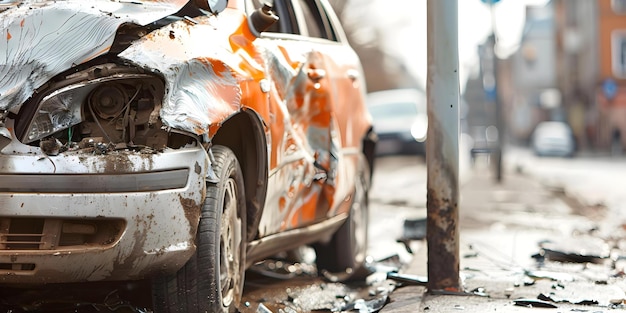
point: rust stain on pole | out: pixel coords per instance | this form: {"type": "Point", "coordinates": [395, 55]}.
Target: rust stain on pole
{"type": "Point", "coordinates": [442, 221]}
{"type": "Point", "coordinates": [442, 152]}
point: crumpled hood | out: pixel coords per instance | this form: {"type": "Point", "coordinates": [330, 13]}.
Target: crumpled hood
{"type": "Point", "coordinates": [41, 39]}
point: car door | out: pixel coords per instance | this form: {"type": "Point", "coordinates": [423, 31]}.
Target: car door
{"type": "Point", "coordinates": [308, 179]}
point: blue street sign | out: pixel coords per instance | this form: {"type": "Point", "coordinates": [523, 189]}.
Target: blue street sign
{"type": "Point", "coordinates": [490, 94]}
{"type": "Point", "coordinates": [610, 88]}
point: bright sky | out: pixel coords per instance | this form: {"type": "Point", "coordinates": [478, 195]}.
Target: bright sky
{"type": "Point", "coordinates": [403, 28]}
{"type": "Point", "coordinates": [475, 25]}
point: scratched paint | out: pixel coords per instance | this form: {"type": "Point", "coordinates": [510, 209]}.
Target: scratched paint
{"type": "Point", "coordinates": [311, 131]}
{"type": "Point", "coordinates": [45, 38]}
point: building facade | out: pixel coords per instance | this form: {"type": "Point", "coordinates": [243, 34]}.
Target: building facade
{"type": "Point", "coordinates": [535, 96]}
{"type": "Point", "coordinates": [571, 67]}
{"type": "Point", "coordinates": [610, 84]}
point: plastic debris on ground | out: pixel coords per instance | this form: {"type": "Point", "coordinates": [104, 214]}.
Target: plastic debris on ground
{"type": "Point", "coordinates": [534, 303]}
{"type": "Point", "coordinates": [408, 279]}
{"type": "Point", "coordinates": [577, 249]}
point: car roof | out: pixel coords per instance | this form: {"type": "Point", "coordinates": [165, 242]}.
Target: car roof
{"type": "Point", "coordinates": [553, 125]}
{"type": "Point", "coordinates": [395, 95]}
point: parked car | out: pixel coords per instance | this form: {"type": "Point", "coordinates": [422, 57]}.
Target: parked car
{"type": "Point", "coordinates": [553, 139]}
{"type": "Point", "coordinates": [178, 141]}
{"type": "Point", "coordinates": [400, 120]}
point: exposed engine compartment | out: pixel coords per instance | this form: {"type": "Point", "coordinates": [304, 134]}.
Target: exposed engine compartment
{"type": "Point", "coordinates": [103, 107]}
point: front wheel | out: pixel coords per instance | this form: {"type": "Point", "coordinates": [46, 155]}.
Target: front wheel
{"type": "Point", "coordinates": [212, 280]}
{"type": "Point", "coordinates": [343, 257]}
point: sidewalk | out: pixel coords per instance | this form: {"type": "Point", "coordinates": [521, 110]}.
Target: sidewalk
{"type": "Point", "coordinates": [501, 227]}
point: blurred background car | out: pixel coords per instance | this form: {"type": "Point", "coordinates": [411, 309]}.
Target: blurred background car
{"type": "Point", "coordinates": [553, 139]}
{"type": "Point", "coordinates": [400, 120]}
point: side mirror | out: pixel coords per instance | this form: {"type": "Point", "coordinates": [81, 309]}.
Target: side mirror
{"type": "Point", "coordinates": [263, 17]}
{"type": "Point", "coordinates": [213, 6]}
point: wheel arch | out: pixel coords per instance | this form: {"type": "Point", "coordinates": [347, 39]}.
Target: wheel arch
{"type": "Point", "coordinates": [244, 134]}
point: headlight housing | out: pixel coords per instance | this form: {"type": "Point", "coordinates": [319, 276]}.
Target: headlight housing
{"type": "Point", "coordinates": [58, 111]}
{"type": "Point", "coordinates": [119, 104]}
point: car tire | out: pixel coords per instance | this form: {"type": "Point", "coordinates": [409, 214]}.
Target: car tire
{"type": "Point", "coordinates": [212, 280]}
{"type": "Point", "coordinates": [343, 257]}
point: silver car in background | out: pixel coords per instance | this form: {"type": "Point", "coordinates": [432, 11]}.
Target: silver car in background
{"type": "Point", "coordinates": [400, 120]}
{"type": "Point", "coordinates": [553, 139]}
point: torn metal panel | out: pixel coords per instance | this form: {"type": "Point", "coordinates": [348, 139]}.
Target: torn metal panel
{"type": "Point", "coordinates": [203, 88]}
{"type": "Point", "coordinates": [45, 38]}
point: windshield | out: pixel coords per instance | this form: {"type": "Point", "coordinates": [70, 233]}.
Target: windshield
{"type": "Point", "coordinates": [394, 110]}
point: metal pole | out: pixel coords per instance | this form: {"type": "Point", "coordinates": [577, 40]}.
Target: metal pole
{"type": "Point", "coordinates": [497, 154]}
{"type": "Point", "coordinates": [442, 152]}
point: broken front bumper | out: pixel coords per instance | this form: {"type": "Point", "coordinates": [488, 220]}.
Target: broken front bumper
{"type": "Point", "coordinates": [85, 217]}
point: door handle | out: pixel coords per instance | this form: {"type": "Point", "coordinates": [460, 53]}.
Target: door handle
{"type": "Point", "coordinates": [353, 74]}
{"type": "Point", "coordinates": [316, 74]}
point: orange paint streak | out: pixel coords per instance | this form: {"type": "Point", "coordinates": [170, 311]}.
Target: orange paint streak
{"type": "Point", "coordinates": [277, 132]}
{"type": "Point", "coordinates": [242, 38]}
{"type": "Point", "coordinates": [218, 66]}
{"type": "Point", "coordinates": [97, 53]}
{"type": "Point", "coordinates": [293, 223]}
{"type": "Point", "coordinates": [294, 64]}
{"type": "Point", "coordinates": [241, 42]}
{"type": "Point", "coordinates": [9, 36]}
{"type": "Point", "coordinates": [309, 210]}
{"type": "Point", "coordinates": [213, 129]}
{"type": "Point", "coordinates": [253, 97]}
{"type": "Point", "coordinates": [329, 193]}
{"type": "Point", "coordinates": [321, 106]}
{"type": "Point", "coordinates": [22, 23]}
{"type": "Point", "coordinates": [317, 199]}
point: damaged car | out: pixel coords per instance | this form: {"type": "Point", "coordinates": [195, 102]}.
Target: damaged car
{"type": "Point", "coordinates": [178, 142]}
